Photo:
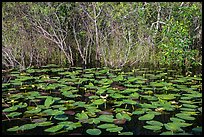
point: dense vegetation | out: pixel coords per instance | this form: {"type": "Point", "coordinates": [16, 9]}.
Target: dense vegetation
{"type": "Point", "coordinates": [95, 34]}
{"type": "Point", "coordinates": [100, 101]}
{"type": "Point", "coordinates": [102, 68]}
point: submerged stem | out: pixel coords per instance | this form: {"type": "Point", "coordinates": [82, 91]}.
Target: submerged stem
{"type": "Point", "coordinates": [132, 107]}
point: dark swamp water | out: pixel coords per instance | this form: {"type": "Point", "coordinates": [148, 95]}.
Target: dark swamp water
{"type": "Point", "coordinates": [101, 101]}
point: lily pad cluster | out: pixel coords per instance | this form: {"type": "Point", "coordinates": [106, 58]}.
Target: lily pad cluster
{"type": "Point", "coordinates": [100, 101]}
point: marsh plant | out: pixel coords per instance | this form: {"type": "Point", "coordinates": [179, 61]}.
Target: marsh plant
{"type": "Point", "coordinates": [101, 101]}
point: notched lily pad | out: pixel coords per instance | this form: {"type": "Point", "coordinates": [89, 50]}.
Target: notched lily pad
{"type": "Point", "coordinates": [106, 118]}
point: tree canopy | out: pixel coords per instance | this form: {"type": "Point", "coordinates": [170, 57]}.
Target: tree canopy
{"type": "Point", "coordinates": [114, 34]}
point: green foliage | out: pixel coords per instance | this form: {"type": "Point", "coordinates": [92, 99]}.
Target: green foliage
{"type": "Point", "coordinates": [177, 45]}
{"type": "Point", "coordinates": [125, 33]}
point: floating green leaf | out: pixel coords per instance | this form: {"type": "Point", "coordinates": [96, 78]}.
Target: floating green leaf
{"type": "Point", "coordinates": [22, 105]}
{"type": "Point", "coordinates": [14, 114]}
{"type": "Point", "coordinates": [123, 116]}
{"type": "Point", "coordinates": [15, 128]}
{"type": "Point", "coordinates": [12, 108]}
{"type": "Point", "coordinates": [98, 101]}
{"type": "Point", "coordinates": [154, 123]}
{"type": "Point", "coordinates": [173, 119]}
{"type": "Point", "coordinates": [53, 112]}
{"type": "Point", "coordinates": [54, 128]}
{"type": "Point", "coordinates": [173, 127]}
{"type": "Point", "coordinates": [138, 112]}
{"type": "Point", "coordinates": [93, 131]}
{"type": "Point", "coordinates": [34, 110]}
{"type": "Point", "coordinates": [45, 123]}
{"type": "Point", "coordinates": [185, 116]}
{"type": "Point", "coordinates": [27, 126]}
{"type": "Point", "coordinates": [104, 126]}
{"type": "Point", "coordinates": [106, 118]}
{"type": "Point", "coordinates": [114, 129]}
{"type": "Point", "coordinates": [166, 96]}
{"type": "Point", "coordinates": [49, 100]}
{"type": "Point", "coordinates": [149, 116]}
{"type": "Point", "coordinates": [81, 116]}
{"type": "Point", "coordinates": [93, 120]}
{"type": "Point", "coordinates": [190, 106]}
{"type": "Point", "coordinates": [126, 133]}
{"type": "Point", "coordinates": [153, 127]}
{"type": "Point", "coordinates": [167, 133]}
{"type": "Point", "coordinates": [60, 117]}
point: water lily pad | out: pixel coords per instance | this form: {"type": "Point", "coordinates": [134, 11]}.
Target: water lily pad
{"type": "Point", "coordinates": [167, 133]}
{"type": "Point", "coordinates": [53, 112]}
{"type": "Point", "coordinates": [12, 108]}
{"type": "Point", "coordinates": [149, 116]}
{"type": "Point", "coordinates": [153, 127]}
{"type": "Point", "coordinates": [138, 112]}
{"type": "Point", "coordinates": [126, 133]}
{"type": "Point", "coordinates": [27, 126]}
{"type": "Point", "coordinates": [154, 112]}
{"type": "Point", "coordinates": [22, 105]}
{"type": "Point", "coordinates": [14, 114]}
{"type": "Point", "coordinates": [79, 104]}
{"type": "Point", "coordinates": [183, 124]}
{"type": "Point", "coordinates": [184, 116]}
{"type": "Point", "coordinates": [106, 118]}
{"type": "Point", "coordinates": [72, 126]}
{"type": "Point", "coordinates": [61, 117]}
{"type": "Point", "coordinates": [15, 128]}
{"type": "Point", "coordinates": [187, 109]}
{"type": "Point", "coordinates": [105, 126]}
{"type": "Point", "coordinates": [81, 116]}
{"type": "Point", "coordinates": [98, 101]}
{"type": "Point", "coordinates": [54, 128]}
{"type": "Point", "coordinates": [130, 90]}
{"type": "Point", "coordinates": [173, 127]}
{"type": "Point", "coordinates": [117, 95]}
{"type": "Point", "coordinates": [166, 96]}
{"type": "Point", "coordinates": [49, 100]}
{"type": "Point", "coordinates": [174, 119]}
{"type": "Point", "coordinates": [45, 123]}
{"type": "Point", "coordinates": [115, 129]}
{"type": "Point", "coordinates": [156, 84]}
{"type": "Point", "coordinates": [129, 101]}
{"type": "Point", "coordinates": [93, 131]}
{"type": "Point", "coordinates": [123, 116]}
{"type": "Point", "coordinates": [154, 123]}
{"type": "Point", "coordinates": [145, 105]}
{"type": "Point", "coordinates": [93, 120]}
{"type": "Point", "coordinates": [34, 110]}
{"type": "Point", "coordinates": [190, 106]}
{"type": "Point", "coordinates": [65, 123]}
